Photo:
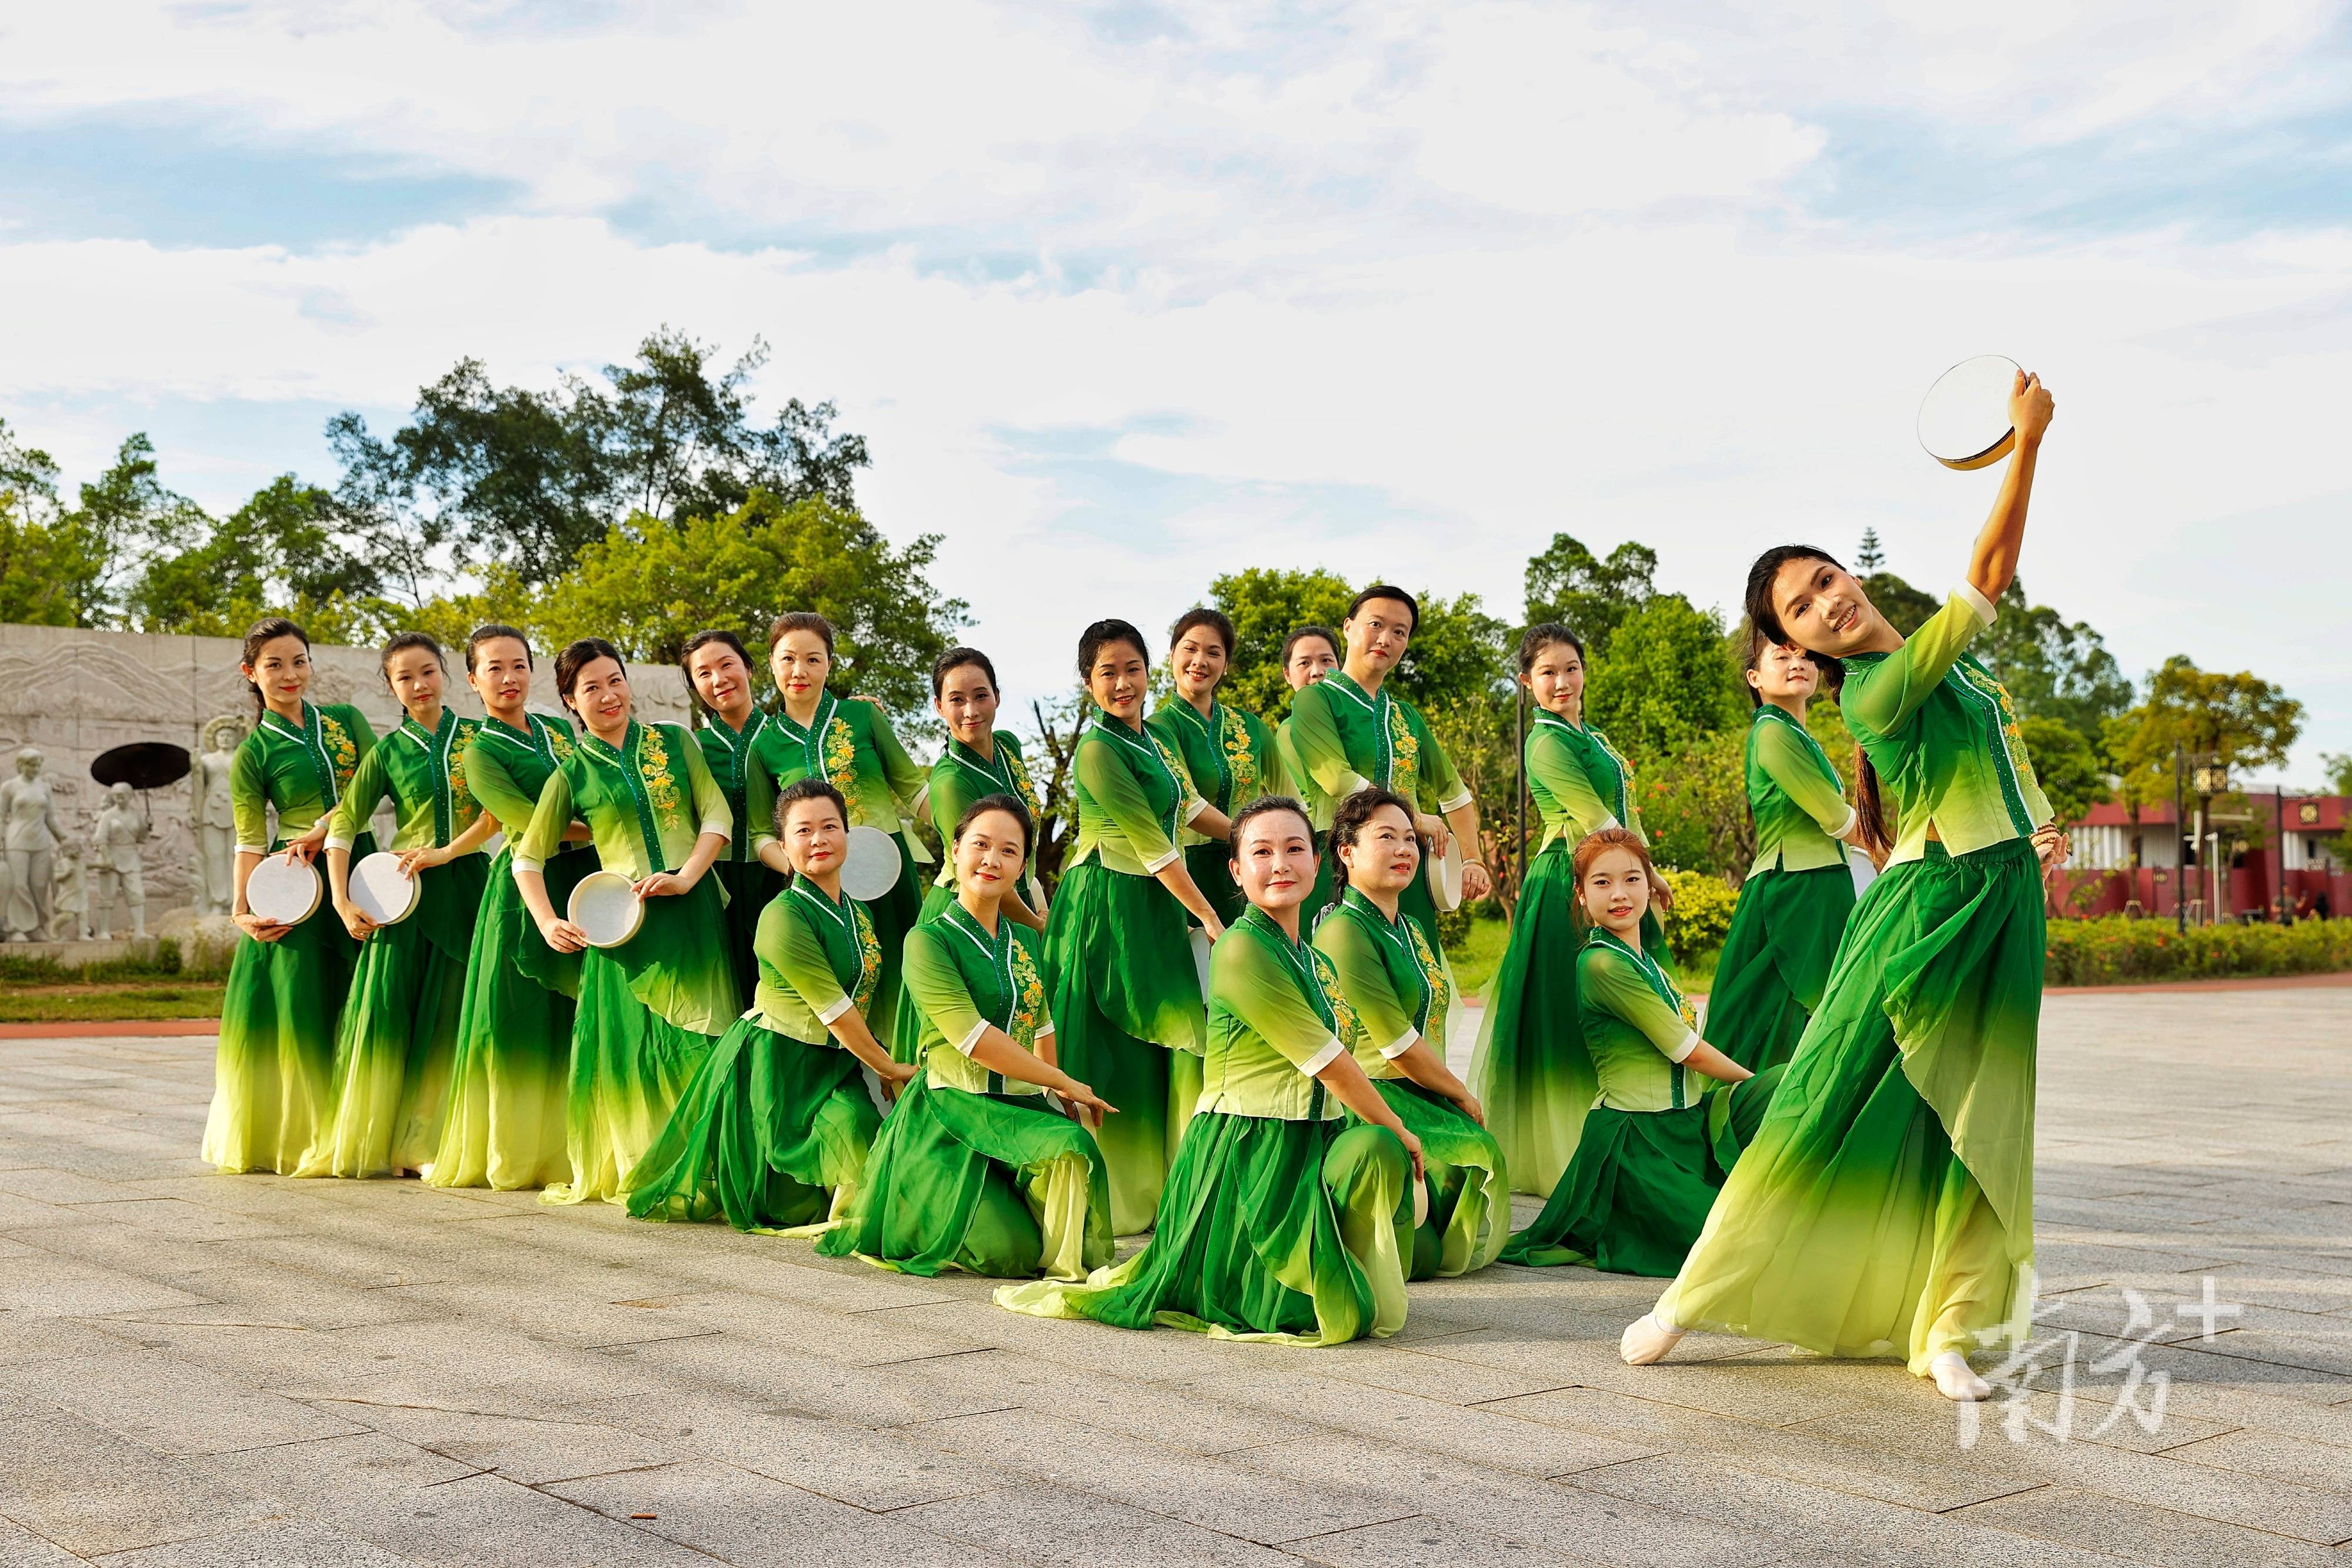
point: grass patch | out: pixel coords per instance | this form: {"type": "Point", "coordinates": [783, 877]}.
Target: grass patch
{"type": "Point", "coordinates": [104, 1001]}
{"type": "Point", "coordinates": [1698, 975]}
{"type": "Point", "coordinates": [1478, 953]}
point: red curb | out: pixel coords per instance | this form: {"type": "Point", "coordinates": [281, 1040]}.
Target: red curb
{"type": "Point", "coordinates": [2257, 983]}
{"type": "Point", "coordinates": [118, 1028]}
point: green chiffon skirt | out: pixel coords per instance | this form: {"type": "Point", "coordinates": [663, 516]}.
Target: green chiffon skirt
{"type": "Point", "coordinates": [1776, 962]}
{"type": "Point", "coordinates": [398, 1035]}
{"type": "Point", "coordinates": [771, 1133]}
{"type": "Point", "coordinates": [1886, 1204]}
{"type": "Point", "coordinates": [997, 1184]}
{"type": "Point", "coordinates": [649, 1012]}
{"type": "Point", "coordinates": [1531, 1070]}
{"type": "Point", "coordinates": [749, 885]}
{"type": "Point", "coordinates": [1634, 1196]}
{"type": "Point", "coordinates": [275, 1060]}
{"type": "Point", "coordinates": [507, 1088]}
{"type": "Point", "coordinates": [1128, 1021]}
{"type": "Point", "coordinates": [1469, 1186]}
{"type": "Point", "coordinates": [1286, 1231]}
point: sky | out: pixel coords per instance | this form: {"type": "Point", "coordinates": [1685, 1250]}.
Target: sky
{"type": "Point", "coordinates": [1126, 295]}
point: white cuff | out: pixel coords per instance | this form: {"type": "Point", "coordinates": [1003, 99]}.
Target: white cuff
{"type": "Point", "coordinates": [1689, 1044]}
{"type": "Point", "coordinates": [970, 1043]}
{"type": "Point", "coordinates": [725, 829]}
{"type": "Point", "coordinates": [521, 864]}
{"type": "Point", "coordinates": [253, 849]}
{"type": "Point", "coordinates": [922, 798]}
{"type": "Point", "coordinates": [842, 1006]}
{"type": "Point", "coordinates": [1199, 806]}
{"type": "Point", "coordinates": [1043, 1032]}
{"type": "Point", "coordinates": [1842, 829]}
{"type": "Point", "coordinates": [1323, 1057]}
{"type": "Point", "coordinates": [340, 842]}
{"type": "Point", "coordinates": [1401, 1044]}
{"type": "Point", "coordinates": [1966, 593]}
{"type": "Point", "coordinates": [1456, 803]}
{"type": "Point", "coordinates": [1153, 868]}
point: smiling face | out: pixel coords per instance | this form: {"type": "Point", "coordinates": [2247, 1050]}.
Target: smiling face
{"type": "Point", "coordinates": [990, 853]}
{"type": "Point", "coordinates": [1118, 680]}
{"type": "Point", "coordinates": [416, 677]}
{"type": "Point", "coordinates": [1274, 862]}
{"type": "Point", "coordinates": [1385, 854]}
{"type": "Point", "coordinates": [967, 702]}
{"type": "Point", "coordinates": [281, 670]}
{"type": "Point", "coordinates": [1822, 609]}
{"type": "Point", "coordinates": [1556, 679]}
{"type": "Point", "coordinates": [502, 676]}
{"type": "Point", "coordinates": [721, 679]}
{"type": "Point", "coordinates": [600, 696]}
{"type": "Point", "coordinates": [800, 664]}
{"type": "Point", "coordinates": [1377, 634]}
{"type": "Point", "coordinates": [1783, 671]}
{"type": "Point", "coordinates": [1198, 662]}
{"type": "Point", "coordinates": [1311, 659]}
{"type": "Point", "coordinates": [1615, 892]}
{"type": "Point", "coordinates": [816, 837]}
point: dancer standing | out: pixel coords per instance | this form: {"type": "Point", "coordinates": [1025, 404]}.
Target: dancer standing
{"type": "Point", "coordinates": [287, 985]}
{"type": "Point", "coordinates": [1886, 1205]}
{"type": "Point", "coordinates": [718, 679]}
{"type": "Point", "coordinates": [1229, 754]}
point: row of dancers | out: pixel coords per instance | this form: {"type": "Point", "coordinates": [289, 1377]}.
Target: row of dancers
{"type": "Point", "coordinates": [965, 1074]}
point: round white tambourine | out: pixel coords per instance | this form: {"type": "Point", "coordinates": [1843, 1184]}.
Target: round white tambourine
{"type": "Point", "coordinates": [1201, 948]}
{"type": "Point", "coordinates": [1445, 877]}
{"type": "Point", "coordinates": [871, 867]}
{"type": "Point", "coordinates": [382, 892]}
{"type": "Point", "coordinates": [1420, 1202]}
{"type": "Point", "coordinates": [605, 906]}
{"type": "Point", "coordinates": [1964, 418]}
{"type": "Point", "coordinates": [283, 891]}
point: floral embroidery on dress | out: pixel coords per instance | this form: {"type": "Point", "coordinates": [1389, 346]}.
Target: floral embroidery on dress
{"type": "Point", "coordinates": [1018, 772]}
{"type": "Point", "coordinates": [559, 745]}
{"type": "Point", "coordinates": [2005, 714]}
{"type": "Point", "coordinates": [463, 807]}
{"type": "Point", "coordinates": [1028, 998]}
{"type": "Point", "coordinates": [653, 767]}
{"type": "Point", "coordinates": [341, 753]}
{"type": "Point", "coordinates": [1432, 973]}
{"type": "Point", "coordinates": [1404, 749]}
{"type": "Point", "coordinates": [841, 757]}
{"type": "Point", "coordinates": [869, 956]}
{"type": "Point", "coordinates": [1344, 1022]}
{"type": "Point", "coordinates": [1240, 760]}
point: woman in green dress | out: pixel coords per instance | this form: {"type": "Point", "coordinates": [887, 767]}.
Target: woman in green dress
{"type": "Point", "coordinates": [1349, 729]}
{"type": "Point", "coordinates": [650, 1008]}
{"type": "Point", "coordinates": [504, 1128]}
{"type": "Point", "coordinates": [1127, 1005]}
{"type": "Point", "coordinates": [848, 743]}
{"type": "Point", "coordinates": [398, 1034]}
{"type": "Point", "coordinates": [1886, 1204]}
{"type": "Point", "coordinates": [1794, 903]}
{"type": "Point", "coordinates": [1672, 1111]}
{"type": "Point", "coordinates": [286, 983]}
{"type": "Point", "coordinates": [975, 1169]}
{"type": "Point", "coordinates": [1229, 754]}
{"type": "Point", "coordinates": [773, 1131]}
{"type": "Point", "coordinates": [1284, 1219]}
{"type": "Point", "coordinates": [718, 680]}
{"type": "Point", "coordinates": [1397, 990]}
{"type": "Point", "coordinates": [1532, 1071]}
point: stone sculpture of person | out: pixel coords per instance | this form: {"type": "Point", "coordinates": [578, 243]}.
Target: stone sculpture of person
{"type": "Point", "coordinates": [69, 896]}
{"type": "Point", "coordinates": [212, 816]}
{"type": "Point", "coordinates": [121, 829]}
{"type": "Point", "coordinates": [29, 831]}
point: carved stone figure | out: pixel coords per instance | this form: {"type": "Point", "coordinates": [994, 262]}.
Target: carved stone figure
{"type": "Point", "coordinates": [69, 895]}
{"type": "Point", "coordinates": [121, 829]}
{"type": "Point", "coordinates": [211, 815]}
{"type": "Point", "coordinates": [30, 830]}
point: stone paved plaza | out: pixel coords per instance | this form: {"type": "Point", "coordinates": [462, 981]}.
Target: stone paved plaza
{"type": "Point", "coordinates": [204, 1370]}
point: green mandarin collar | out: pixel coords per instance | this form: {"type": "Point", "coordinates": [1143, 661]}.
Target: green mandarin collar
{"type": "Point", "coordinates": [956, 915]}
{"type": "Point", "coordinates": [433, 737]}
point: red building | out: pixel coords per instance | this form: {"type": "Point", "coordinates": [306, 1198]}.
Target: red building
{"type": "Point", "coordinates": [2130, 863]}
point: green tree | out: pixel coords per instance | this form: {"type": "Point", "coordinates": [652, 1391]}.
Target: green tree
{"type": "Point", "coordinates": [1906, 609]}
{"type": "Point", "coordinates": [39, 558]}
{"type": "Point", "coordinates": [1869, 557]}
{"type": "Point", "coordinates": [2054, 669]}
{"type": "Point", "coordinates": [1591, 596]}
{"type": "Point", "coordinates": [2339, 771]}
{"type": "Point", "coordinates": [1694, 801]}
{"type": "Point", "coordinates": [2240, 719]}
{"type": "Point", "coordinates": [1663, 679]}
{"type": "Point", "coordinates": [280, 553]}
{"type": "Point", "coordinates": [2066, 766]}
{"type": "Point", "coordinates": [1267, 604]}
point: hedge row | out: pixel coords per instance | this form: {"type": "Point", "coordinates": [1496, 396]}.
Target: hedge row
{"type": "Point", "coordinates": [2112, 950]}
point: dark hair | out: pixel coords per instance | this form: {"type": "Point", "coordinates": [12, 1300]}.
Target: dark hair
{"type": "Point", "coordinates": [1594, 844]}
{"type": "Point", "coordinates": [1101, 635]}
{"type": "Point", "coordinates": [1355, 813]}
{"type": "Point", "coordinates": [401, 642]}
{"type": "Point", "coordinates": [1383, 591]}
{"type": "Point", "coordinates": [955, 659]}
{"type": "Point", "coordinates": [800, 621]}
{"type": "Point", "coordinates": [1877, 832]}
{"type": "Point", "coordinates": [809, 788]}
{"type": "Point", "coordinates": [1266, 806]}
{"type": "Point", "coordinates": [1756, 644]}
{"type": "Point", "coordinates": [694, 645]}
{"type": "Point", "coordinates": [1010, 805]}
{"type": "Point", "coordinates": [1290, 644]}
{"type": "Point", "coordinates": [268, 630]}
{"type": "Point", "coordinates": [1546, 634]}
{"type": "Point", "coordinates": [1217, 620]}
{"type": "Point", "coordinates": [576, 657]}
{"type": "Point", "coordinates": [490, 631]}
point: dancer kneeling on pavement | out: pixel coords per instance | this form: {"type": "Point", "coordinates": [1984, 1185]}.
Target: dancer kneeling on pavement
{"type": "Point", "coordinates": [975, 1169]}
{"type": "Point", "coordinates": [1674, 1111]}
{"type": "Point", "coordinates": [1282, 1220]}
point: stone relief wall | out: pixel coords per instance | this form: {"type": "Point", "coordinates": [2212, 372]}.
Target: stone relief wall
{"type": "Point", "coordinates": [75, 693]}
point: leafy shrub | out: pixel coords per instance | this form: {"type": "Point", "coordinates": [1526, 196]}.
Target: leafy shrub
{"type": "Point", "coordinates": [1701, 917]}
{"type": "Point", "coordinates": [2112, 950]}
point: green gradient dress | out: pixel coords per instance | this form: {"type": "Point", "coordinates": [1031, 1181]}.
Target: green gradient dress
{"type": "Point", "coordinates": [1532, 1071]}
{"type": "Point", "coordinates": [1344, 738]}
{"type": "Point", "coordinates": [774, 1129]}
{"type": "Point", "coordinates": [850, 743]}
{"type": "Point", "coordinates": [507, 1087]}
{"type": "Point", "coordinates": [747, 880]}
{"type": "Point", "coordinates": [1232, 759]}
{"type": "Point", "coordinates": [1886, 1204]}
{"type": "Point", "coordinates": [1283, 1220]}
{"type": "Point", "coordinates": [650, 1010]}
{"type": "Point", "coordinates": [974, 1170]}
{"type": "Point", "coordinates": [1659, 1141]}
{"type": "Point", "coordinates": [958, 778]}
{"type": "Point", "coordinates": [276, 1055]}
{"type": "Point", "coordinates": [1794, 903]}
{"type": "Point", "coordinates": [398, 1034]}
{"type": "Point", "coordinates": [1127, 1005]}
{"type": "Point", "coordinates": [1398, 991]}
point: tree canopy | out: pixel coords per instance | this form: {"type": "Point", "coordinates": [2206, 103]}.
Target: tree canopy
{"type": "Point", "coordinates": [2241, 720]}
{"type": "Point", "coordinates": [1589, 595]}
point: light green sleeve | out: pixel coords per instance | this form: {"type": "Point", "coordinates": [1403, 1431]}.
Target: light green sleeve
{"type": "Point", "coordinates": [938, 987]}
{"type": "Point", "coordinates": [1609, 981]}
{"type": "Point", "coordinates": [1793, 767]}
{"type": "Point", "coordinates": [1315, 742]}
{"type": "Point", "coordinates": [248, 797]}
{"type": "Point", "coordinates": [800, 958]}
{"type": "Point", "coordinates": [1552, 762]}
{"type": "Point", "coordinates": [368, 788]}
{"type": "Point", "coordinates": [907, 778]}
{"type": "Point", "coordinates": [1113, 787]}
{"type": "Point", "coordinates": [549, 819]}
{"type": "Point", "coordinates": [1441, 781]}
{"type": "Point", "coordinates": [760, 794]}
{"type": "Point", "coordinates": [1249, 981]}
{"type": "Point", "coordinates": [1273, 772]}
{"type": "Point", "coordinates": [1365, 981]}
{"type": "Point", "coordinates": [1892, 691]}
{"type": "Point", "coordinates": [495, 787]}
{"type": "Point", "coordinates": [713, 814]}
